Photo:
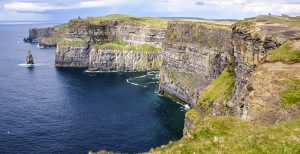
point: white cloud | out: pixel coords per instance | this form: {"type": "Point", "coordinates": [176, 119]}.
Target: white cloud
{"type": "Point", "coordinates": [257, 6]}
{"type": "Point", "coordinates": [193, 8]}
{"type": "Point", "coordinates": [33, 6]}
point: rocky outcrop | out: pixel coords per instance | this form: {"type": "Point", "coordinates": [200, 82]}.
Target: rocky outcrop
{"type": "Point", "coordinates": [29, 58]}
{"type": "Point", "coordinates": [112, 60]}
{"type": "Point", "coordinates": [194, 54]}
{"type": "Point", "coordinates": [251, 48]}
{"type": "Point", "coordinates": [138, 34]}
{"type": "Point", "coordinates": [37, 34]}
{"type": "Point", "coordinates": [79, 46]}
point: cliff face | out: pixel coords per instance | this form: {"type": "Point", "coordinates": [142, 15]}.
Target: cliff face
{"type": "Point", "coordinates": [138, 34]}
{"type": "Point", "coordinates": [194, 54]}
{"type": "Point", "coordinates": [251, 48]}
{"type": "Point", "coordinates": [72, 55]}
{"type": "Point", "coordinates": [79, 48]}
{"type": "Point", "coordinates": [37, 34]}
{"type": "Point", "coordinates": [111, 60]}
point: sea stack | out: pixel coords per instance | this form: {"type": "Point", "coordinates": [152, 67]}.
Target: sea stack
{"type": "Point", "coordinates": [29, 58]}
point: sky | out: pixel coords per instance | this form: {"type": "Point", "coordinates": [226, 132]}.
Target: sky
{"type": "Point", "coordinates": [64, 10]}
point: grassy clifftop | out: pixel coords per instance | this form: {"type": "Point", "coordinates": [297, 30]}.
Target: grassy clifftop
{"type": "Point", "coordinates": [124, 46]}
{"type": "Point", "coordinates": [158, 23]}
{"type": "Point", "coordinates": [232, 135]}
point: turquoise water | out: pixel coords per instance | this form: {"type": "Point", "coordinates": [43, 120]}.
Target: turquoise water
{"type": "Point", "coordinates": [48, 110]}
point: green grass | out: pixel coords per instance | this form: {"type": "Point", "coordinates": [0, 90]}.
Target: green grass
{"type": "Point", "coordinates": [158, 23]}
{"type": "Point", "coordinates": [52, 40]}
{"type": "Point", "coordinates": [233, 135]}
{"type": "Point", "coordinates": [157, 63]}
{"type": "Point", "coordinates": [284, 20]}
{"type": "Point", "coordinates": [285, 53]}
{"type": "Point", "coordinates": [73, 43]}
{"type": "Point", "coordinates": [218, 89]}
{"type": "Point", "coordinates": [61, 26]}
{"type": "Point", "coordinates": [124, 46]}
{"type": "Point", "coordinates": [292, 94]}
{"type": "Point", "coordinates": [193, 115]}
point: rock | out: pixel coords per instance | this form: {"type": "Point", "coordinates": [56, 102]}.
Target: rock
{"type": "Point", "coordinates": [110, 60]}
{"type": "Point", "coordinates": [251, 47]}
{"type": "Point", "coordinates": [37, 34]}
{"type": "Point", "coordinates": [229, 104]}
{"type": "Point", "coordinates": [29, 58]}
{"type": "Point", "coordinates": [194, 54]}
{"type": "Point", "coordinates": [85, 55]}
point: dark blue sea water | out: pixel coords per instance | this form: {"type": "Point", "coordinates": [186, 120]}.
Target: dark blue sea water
{"type": "Point", "coordinates": [49, 110]}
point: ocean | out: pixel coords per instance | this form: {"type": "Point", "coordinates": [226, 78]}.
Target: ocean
{"type": "Point", "coordinates": [44, 109]}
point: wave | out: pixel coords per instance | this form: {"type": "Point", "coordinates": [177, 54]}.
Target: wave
{"type": "Point", "coordinates": [31, 65]}
{"type": "Point", "coordinates": [144, 80]}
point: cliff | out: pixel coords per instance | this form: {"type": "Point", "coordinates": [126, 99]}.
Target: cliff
{"type": "Point", "coordinates": [37, 34]}
{"type": "Point", "coordinates": [264, 54]}
{"type": "Point", "coordinates": [194, 54]}
{"type": "Point", "coordinates": [260, 85]}
{"type": "Point", "coordinates": [46, 37]}
{"type": "Point", "coordinates": [114, 60]}
{"type": "Point", "coordinates": [111, 43]}
{"type": "Point", "coordinates": [239, 79]}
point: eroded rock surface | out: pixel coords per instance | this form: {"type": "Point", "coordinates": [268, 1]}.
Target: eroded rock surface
{"type": "Point", "coordinates": [194, 54]}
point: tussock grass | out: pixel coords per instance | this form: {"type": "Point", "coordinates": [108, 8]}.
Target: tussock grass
{"type": "Point", "coordinates": [284, 20]}
{"type": "Point", "coordinates": [52, 39]}
{"type": "Point", "coordinates": [124, 46]}
{"type": "Point", "coordinates": [233, 135]}
{"type": "Point", "coordinates": [218, 89]}
{"type": "Point", "coordinates": [292, 94]}
{"type": "Point", "coordinates": [285, 53]}
{"type": "Point", "coordinates": [73, 43]}
{"type": "Point", "coordinates": [193, 115]}
{"type": "Point", "coordinates": [158, 23]}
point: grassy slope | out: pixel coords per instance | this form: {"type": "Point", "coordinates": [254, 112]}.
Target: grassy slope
{"type": "Point", "coordinates": [292, 94]}
{"type": "Point", "coordinates": [231, 135]}
{"type": "Point", "coordinates": [73, 43]}
{"type": "Point", "coordinates": [124, 46]}
{"type": "Point", "coordinates": [284, 20]}
{"type": "Point", "coordinates": [159, 23]}
{"type": "Point", "coordinates": [219, 89]}
{"type": "Point", "coordinates": [285, 53]}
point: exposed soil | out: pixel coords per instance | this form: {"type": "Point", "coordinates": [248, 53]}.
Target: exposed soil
{"type": "Point", "coordinates": [267, 82]}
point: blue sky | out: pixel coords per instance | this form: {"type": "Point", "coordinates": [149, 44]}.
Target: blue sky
{"type": "Point", "coordinates": [63, 10]}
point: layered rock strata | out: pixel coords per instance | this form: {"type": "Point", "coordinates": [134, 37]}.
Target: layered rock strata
{"type": "Point", "coordinates": [79, 46]}
{"type": "Point", "coordinates": [251, 47]}
{"type": "Point", "coordinates": [194, 54]}
{"type": "Point", "coordinates": [37, 34]}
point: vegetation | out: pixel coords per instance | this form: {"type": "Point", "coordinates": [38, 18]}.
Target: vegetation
{"type": "Point", "coordinates": [193, 115]}
{"type": "Point", "coordinates": [284, 20]}
{"type": "Point", "coordinates": [292, 94]}
{"type": "Point", "coordinates": [233, 135]}
{"type": "Point", "coordinates": [219, 89]}
{"type": "Point", "coordinates": [159, 23]}
{"type": "Point", "coordinates": [61, 26]}
{"type": "Point", "coordinates": [52, 40]}
{"type": "Point", "coordinates": [213, 22]}
{"type": "Point", "coordinates": [285, 53]}
{"type": "Point", "coordinates": [157, 63]}
{"type": "Point", "coordinates": [124, 46]}
{"type": "Point", "coordinates": [73, 43]}
{"type": "Point", "coordinates": [246, 23]}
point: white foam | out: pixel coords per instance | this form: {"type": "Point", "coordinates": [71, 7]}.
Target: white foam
{"type": "Point", "coordinates": [30, 65]}
{"type": "Point", "coordinates": [142, 76]}
{"type": "Point", "coordinates": [187, 107]}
